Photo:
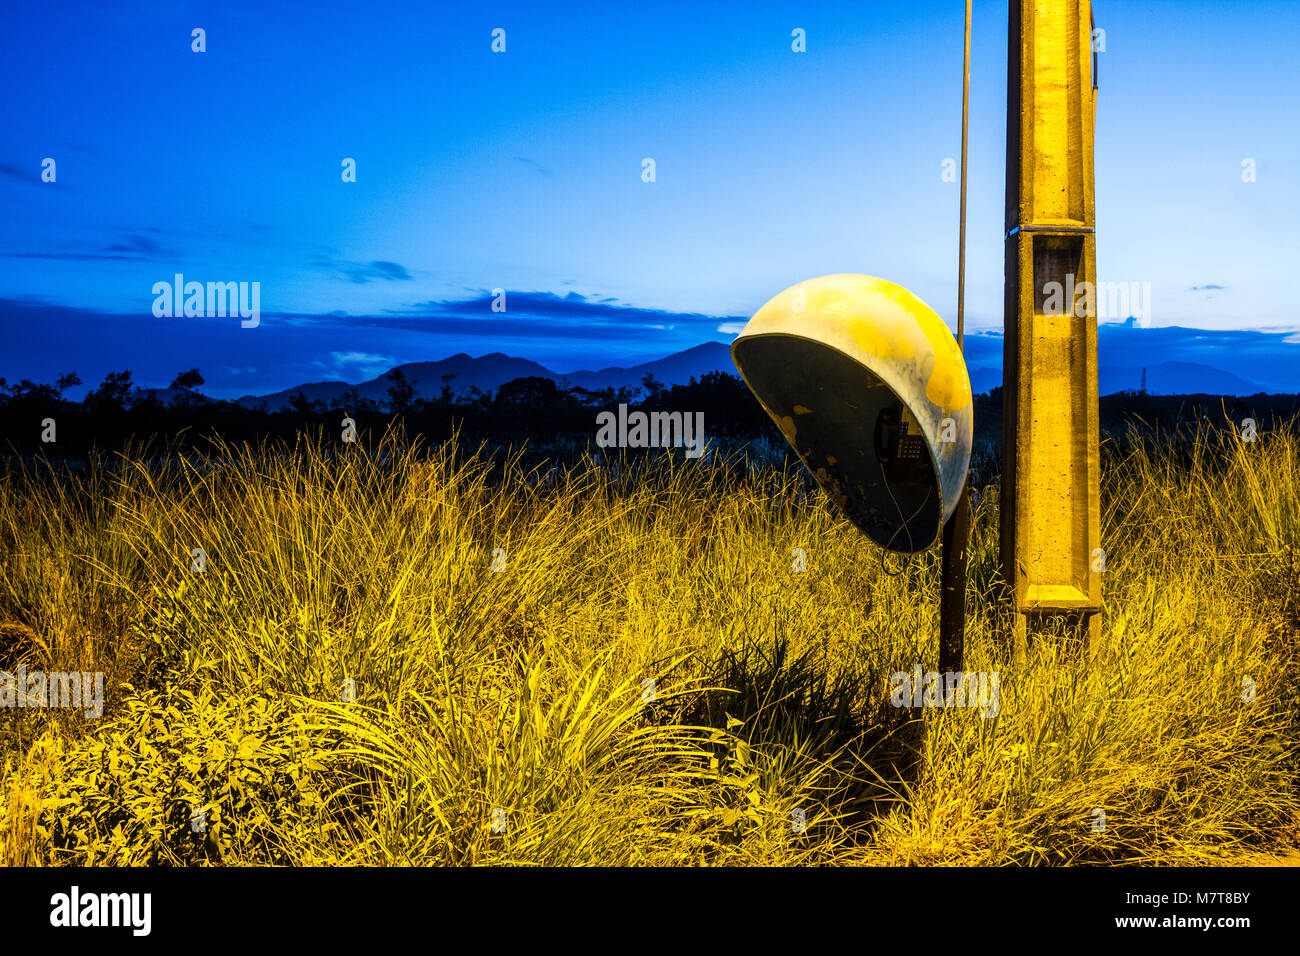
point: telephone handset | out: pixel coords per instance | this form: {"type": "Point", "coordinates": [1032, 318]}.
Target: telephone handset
{"type": "Point", "coordinates": [900, 446]}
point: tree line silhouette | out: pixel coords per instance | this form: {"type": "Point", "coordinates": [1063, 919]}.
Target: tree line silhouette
{"type": "Point", "coordinates": [38, 417]}
{"type": "Point", "coordinates": [533, 409]}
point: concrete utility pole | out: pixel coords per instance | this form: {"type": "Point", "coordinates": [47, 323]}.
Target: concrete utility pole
{"type": "Point", "coordinates": [1050, 535]}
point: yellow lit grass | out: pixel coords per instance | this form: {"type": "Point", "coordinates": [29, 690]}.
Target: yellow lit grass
{"type": "Point", "coordinates": [524, 689]}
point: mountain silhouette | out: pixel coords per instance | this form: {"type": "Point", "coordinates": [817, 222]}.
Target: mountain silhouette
{"type": "Point", "coordinates": [1164, 378]}
{"type": "Point", "coordinates": [489, 372]}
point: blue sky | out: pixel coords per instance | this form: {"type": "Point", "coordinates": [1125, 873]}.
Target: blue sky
{"type": "Point", "coordinates": [522, 171]}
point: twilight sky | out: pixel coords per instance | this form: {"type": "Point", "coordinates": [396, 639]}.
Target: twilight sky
{"type": "Point", "coordinates": [522, 171]}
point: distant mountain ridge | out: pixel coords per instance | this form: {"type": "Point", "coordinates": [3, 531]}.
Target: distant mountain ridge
{"type": "Point", "coordinates": [1166, 378]}
{"type": "Point", "coordinates": [489, 372]}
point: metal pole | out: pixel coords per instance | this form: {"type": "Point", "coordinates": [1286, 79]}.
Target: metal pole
{"type": "Point", "coordinates": [956, 532]}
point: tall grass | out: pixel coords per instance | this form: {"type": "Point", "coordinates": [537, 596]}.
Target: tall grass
{"type": "Point", "coordinates": [618, 662]}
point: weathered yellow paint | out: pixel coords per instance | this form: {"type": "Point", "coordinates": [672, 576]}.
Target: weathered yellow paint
{"type": "Point", "coordinates": [890, 334]}
{"type": "Point", "coordinates": [1050, 486]}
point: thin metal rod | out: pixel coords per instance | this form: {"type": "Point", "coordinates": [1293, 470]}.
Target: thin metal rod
{"type": "Point", "coordinates": [956, 530]}
{"type": "Point", "coordinates": [965, 125]}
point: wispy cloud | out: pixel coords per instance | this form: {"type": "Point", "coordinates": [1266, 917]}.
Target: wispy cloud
{"type": "Point", "coordinates": [535, 166]}
{"type": "Point", "coordinates": [361, 272]}
{"type": "Point", "coordinates": [71, 256]}
{"type": "Point", "coordinates": [132, 247]}
{"type": "Point", "coordinates": [533, 314]}
{"type": "Point", "coordinates": [351, 365]}
{"type": "Point", "coordinates": [138, 244]}
{"type": "Point", "coordinates": [361, 358]}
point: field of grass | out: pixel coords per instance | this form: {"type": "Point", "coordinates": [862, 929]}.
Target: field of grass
{"type": "Point", "coordinates": [639, 675]}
